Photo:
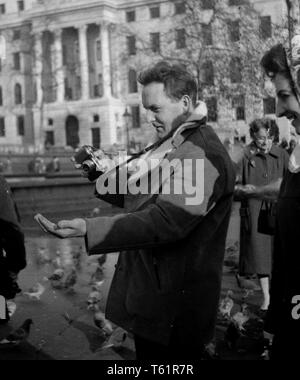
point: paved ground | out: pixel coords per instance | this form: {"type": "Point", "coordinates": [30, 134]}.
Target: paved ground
{"type": "Point", "coordinates": [52, 338]}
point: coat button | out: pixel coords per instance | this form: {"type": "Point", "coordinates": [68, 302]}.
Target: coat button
{"type": "Point", "coordinates": [265, 175]}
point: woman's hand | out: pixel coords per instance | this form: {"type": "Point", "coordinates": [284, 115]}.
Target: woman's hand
{"type": "Point", "coordinates": [246, 191]}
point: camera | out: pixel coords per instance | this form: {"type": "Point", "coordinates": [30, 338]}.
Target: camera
{"type": "Point", "coordinates": [88, 159]}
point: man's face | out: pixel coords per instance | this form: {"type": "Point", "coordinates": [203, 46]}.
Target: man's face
{"type": "Point", "coordinates": [287, 103]}
{"type": "Point", "coordinates": [163, 112]}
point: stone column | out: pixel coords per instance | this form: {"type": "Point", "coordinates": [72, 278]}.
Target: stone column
{"type": "Point", "coordinates": [59, 70]}
{"type": "Point", "coordinates": [106, 63]}
{"type": "Point", "coordinates": [38, 48]}
{"type": "Point", "coordinates": [84, 67]}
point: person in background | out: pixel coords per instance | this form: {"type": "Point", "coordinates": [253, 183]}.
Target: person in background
{"type": "Point", "coordinates": [12, 247]}
{"type": "Point", "coordinates": [292, 146]}
{"type": "Point", "coordinates": [56, 164]}
{"type": "Point", "coordinates": [260, 173]}
{"type": "Point", "coordinates": [282, 325]}
{"type": "Point", "coordinates": [284, 144]}
{"type": "Point", "coordinates": [274, 131]}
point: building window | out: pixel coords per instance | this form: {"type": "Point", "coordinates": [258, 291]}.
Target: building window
{"type": "Point", "coordinates": [238, 103]}
{"type": "Point", "coordinates": [20, 125]}
{"type": "Point", "coordinates": [130, 16]}
{"type": "Point", "coordinates": [132, 81]}
{"type": "Point", "coordinates": [155, 12]}
{"type": "Point", "coordinates": [1, 97]}
{"type": "Point", "coordinates": [135, 112]}
{"type": "Point", "coordinates": [234, 30]}
{"type": "Point", "coordinates": [18, 94]}
{"type": "Point", "coordinates": [96, 137]}
{"type": "Point", "coordinates": [17, 61]}
{"type": "Point", "coordinates": [207, 34]}
{"type": "Point", "coordinates": [68, 90]}
{"type": "Point", "coordinates": [180, 39]}
{"type": "Point", "coordinates": [208, 4]}
{"type": "Point", "coordinates": [49, 138]}
{"type": "Point", "coordinates": [131, 45]}
{"type": "Point", "coordinates": [235, 70]}
{"type": "Point", "coordinates": [208, 73]}
{"type": "Point", "coordinates": [96, 118]}
{"type": "Point", "coordinates": [100, 84]}
{"type": "Point", "coordinates": [21, 6]}
{"type": "Point", "coordinates": [269, 106]}
{"type": "Point", "coordinates": [16, 34]}
{"type": "Point", "coordinates": [180, 8]}
{"type": "Point", "coordinates": [50, 122]}
{"type": "Point", "coordinates": [99, 50]}
{"type": "Point", "coordinates": [2, 127]}
{"type": "Point", "coordinates": [212, 109]}
{"type": "Point", "coordinates": [265, 27]}
{"type": "Point", "coordinates": [2, 9]}
{"type": "Point", "coordinates": [65, 55]}
{"type": "Point", "coordinates": [235, 2]}
{"type": "Point", "coordinates": [155, 42]}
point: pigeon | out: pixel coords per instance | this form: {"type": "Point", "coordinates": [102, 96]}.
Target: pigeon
{"type": "Point", "coordinates": [70, 279]}
{"type": "Point", "coordinates": [19, 335]}
{"type": "Point", "coordinates": [43, 256]}
{"type": "Point", "coordinates": [57, 275]}
{"type": "Point", "coordinates": [57, 262]}
{"type": "Point", "coordinates": [241, 317]}
{"type": "Point", "coordinates": [57, 279]}
{"type": "Point", "coordinates": [77, 258]}
{"type": "Point", "coordinates": [226, 305]}
{"type": "Point", "coordinates": [11, 307]}
{"type": "Point", "coordinates": [102, 323]}
{"type": "Point", "coordinates": [95, 212]}
{"type": "Point", "coordinates": [232, 335]}
{"type": "Point", "coordinates": [101, 260]}
{"type": "Point", "coordinates": [116, 339]}
{"type": "Point", "coordinates": [96, 286]}
{"type": "Point", "coordinates": [93, 300]}
{"type": "Point", "coordinates": [248, 286]}
{"type": "Point", "coordinates": [97, 275]}
{"type": "Point", "coordinates": [35, 292]}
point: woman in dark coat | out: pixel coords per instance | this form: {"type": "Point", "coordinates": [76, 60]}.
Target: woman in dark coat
{"type": "Point", "coordinates": [261, 169]}
{"type": "Point", "coordinates": [12, 248]}
{"type": "Point", "coordinates": [283, 317]}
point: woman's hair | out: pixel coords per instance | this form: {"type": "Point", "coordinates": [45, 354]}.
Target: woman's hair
{"type": "Point", "coordinates": [263, 123]}
{"type": "Point", "coordinates": [176, 79]}
{"type": "Point", "coordinates": [275, 62]}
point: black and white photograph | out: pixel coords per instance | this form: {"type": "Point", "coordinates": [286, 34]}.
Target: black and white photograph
{"type": "Point", "coordinates": [150, 182]}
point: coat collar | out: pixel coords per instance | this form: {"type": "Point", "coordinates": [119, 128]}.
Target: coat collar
{"type": "Point", "coordinates": [193, 122]}
{"type": "Point", "coordinates": [252, 150]}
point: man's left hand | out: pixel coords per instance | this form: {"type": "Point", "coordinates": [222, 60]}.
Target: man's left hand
{"type": "Point", "coordinates": [63, 229]}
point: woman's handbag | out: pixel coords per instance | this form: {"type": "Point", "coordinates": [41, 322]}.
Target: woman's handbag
{"type": "Point", "coordinates": [267, 218]}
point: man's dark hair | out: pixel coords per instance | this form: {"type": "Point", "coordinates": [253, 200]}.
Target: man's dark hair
{"type": "Point", "coordinates": [275, 62]}
{"type": "Point", "coordinates": [176, 79]}
{"type": "Point", "coordinates": [263, 123]}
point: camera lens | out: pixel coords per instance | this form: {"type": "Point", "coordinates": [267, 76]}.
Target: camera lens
{"type": "Point", "coordinates": [88, 166]}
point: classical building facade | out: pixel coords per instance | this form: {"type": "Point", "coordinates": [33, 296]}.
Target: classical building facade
{"type": "Point", "coordinates": [68, 72]}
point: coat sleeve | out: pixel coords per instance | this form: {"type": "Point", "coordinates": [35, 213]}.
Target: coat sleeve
{"type": "Point", "coordinates": [171, 218]}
